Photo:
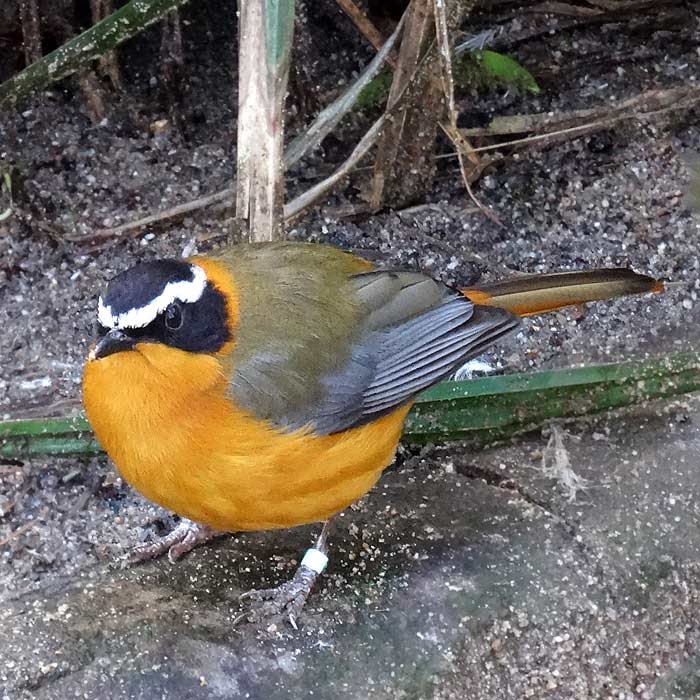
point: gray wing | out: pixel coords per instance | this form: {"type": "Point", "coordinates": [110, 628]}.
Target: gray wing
{"type": "Point", "coordinates": [415, 332]}
{"type": "Point", "coordinates": [326, 345]}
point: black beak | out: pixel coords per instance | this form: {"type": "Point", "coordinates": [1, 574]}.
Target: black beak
{"type": "Point", "coordinates": [114, 341]}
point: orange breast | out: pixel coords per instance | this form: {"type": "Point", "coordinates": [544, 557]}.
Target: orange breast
{"type": "Point", "coordinates": [164, 419]}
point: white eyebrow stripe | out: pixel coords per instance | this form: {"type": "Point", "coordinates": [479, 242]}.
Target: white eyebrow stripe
{"type": "Point", "coordinates": [186, 291]}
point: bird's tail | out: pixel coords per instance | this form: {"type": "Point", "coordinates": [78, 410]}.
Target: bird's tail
{"type": "Point", "coordinates": [537, 294]}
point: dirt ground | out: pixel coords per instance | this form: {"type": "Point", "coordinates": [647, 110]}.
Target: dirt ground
{"type": "Point", "coordinates": [442, 584]}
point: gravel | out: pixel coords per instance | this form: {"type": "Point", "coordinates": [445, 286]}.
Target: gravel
{"type": "Point", "coordinates": [609, 199]}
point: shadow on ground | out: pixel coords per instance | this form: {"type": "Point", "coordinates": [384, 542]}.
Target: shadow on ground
{"type": "Point", "coordinates": [441, 585]}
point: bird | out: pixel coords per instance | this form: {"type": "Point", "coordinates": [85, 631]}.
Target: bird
{"type": "Point", "coordinates": [265, 386]}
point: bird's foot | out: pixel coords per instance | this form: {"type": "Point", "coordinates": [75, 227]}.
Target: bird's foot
{"type": "Point", "coordinates": [183, 538]}
{"type": "Point", "coordinates": [288, 599]}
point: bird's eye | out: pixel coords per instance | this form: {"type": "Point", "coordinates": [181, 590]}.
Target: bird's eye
{"type": "Point", "coordinates": [173, 317]}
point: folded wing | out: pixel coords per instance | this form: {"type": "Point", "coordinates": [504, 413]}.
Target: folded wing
{"type": "Point", "coordinates": [324, 345]}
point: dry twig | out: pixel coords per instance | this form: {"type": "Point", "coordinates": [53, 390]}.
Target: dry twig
{"type": "Point", "coordinates": [178, 211]}
{"type": "Point", "coordinates": [264, 46]}
{"type": "Point", "coordinates": [297, 206]}
{"type": "Point", "coordinates": [301, 145]}
{"type": "Point", "coordinates": [646, 105]}
{"type": "Point", "coordinates": [93, 94]}
{"type": "Point", "coordinates": [329, 118]}
{"type": "Point", "coordinates": [366, 26]}
{"type": "Point", "coordinates": [564, 8]}
{"type": "Point", "coordinates": [108, 63]}
{"type": "Point", "coordinates": [469, 173]}
{"type": "Point", "coordinates": [469, 164]}
{"type": "Point", "coordinates": [662, 102]}
{"type": "Point", "coordinates": [404, 162]}
{"type": "Point", "coordinates": [31, 30]}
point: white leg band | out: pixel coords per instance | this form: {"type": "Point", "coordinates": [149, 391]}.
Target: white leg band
{"type": "Point", "coordinates": [315, 560]}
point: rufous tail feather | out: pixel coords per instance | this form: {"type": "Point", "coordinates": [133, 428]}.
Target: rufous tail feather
{"type": "Point", "coordinates": [537, 294]}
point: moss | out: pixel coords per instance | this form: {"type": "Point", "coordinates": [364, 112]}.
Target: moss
{"type": "Point", "coordinates": [376, 91]}
{"type": "Point", "coordinates": [483, 70]}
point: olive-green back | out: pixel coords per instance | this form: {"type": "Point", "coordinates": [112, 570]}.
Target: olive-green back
{"type": "Point", "coordinates": [325, 342]}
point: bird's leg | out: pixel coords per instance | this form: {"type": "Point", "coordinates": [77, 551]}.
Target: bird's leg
{"type": "Point", "coordinates": [184, 537]}
{"type": "Point", "coordinates": [288, 599]}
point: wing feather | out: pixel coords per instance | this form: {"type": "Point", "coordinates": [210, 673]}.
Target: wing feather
{"type": "Point", "coordinates": [327, 346]}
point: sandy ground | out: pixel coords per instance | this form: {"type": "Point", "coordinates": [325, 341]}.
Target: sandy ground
{"type": "Point", "coordinates": [485, 593]}
{"type": "Point", "coordinates": [441, 585]}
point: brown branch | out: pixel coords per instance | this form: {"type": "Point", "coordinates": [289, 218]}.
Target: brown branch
{"type": "Point", "coordinates": [465, 153]}
{"type": "Point", "coordinates": [366, 27]}
{"type": "Point", "coordinates": [329, 117]}
{"type": "Point", "coordinates": [172, 57]}
{"type": "Point", "coordinates": [470, 165]}
{"type": "Point", "coordinates": [445, 57]}
{"type": "Point", "coordinates": [297, 206]}
{"type": "Point", "coordinates": [467, 169]}
{"type": "Point", "coordinates": [409, 137]}
{"type": "Point", "coordinates": [93, 94]}
{"type": "Point", "coordinates": [109, 63]}
{"type": "Point", "coordinates": [31, 30]}
{"type": "Point", "coordinates": [405, 164]}
{"type": "Point", "coordinates": [662, 101]}
{"type": "Point", "coordinates": [180, 210]}
{"type": "Point", "coordinates": [659, 102]}
{"type": "Point", "coordinates": [564, 8]}
{"type": "Point", "coordinates": [325, 121]}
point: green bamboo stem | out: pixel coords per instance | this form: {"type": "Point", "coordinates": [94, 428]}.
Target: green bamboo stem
{"type": "Point", "coordinates": [496, 408]}
{"type": "Point", "coordinates": [93, 43]}
{"type": "Point", "coordinates": [480, 410]}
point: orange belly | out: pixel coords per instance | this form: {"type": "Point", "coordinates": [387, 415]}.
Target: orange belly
{"type": "Point", "coordinates": [184, 445]}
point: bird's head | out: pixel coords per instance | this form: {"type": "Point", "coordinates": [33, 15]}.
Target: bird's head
{"type": "Point", "coordinates": [165, 310]}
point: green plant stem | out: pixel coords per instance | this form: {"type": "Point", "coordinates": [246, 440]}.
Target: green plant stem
{"type": "Point", "coordinates": [496, 408]}
{"type": "Point", "coordinates": [480, 410]}
{"type": "Point", "coordinates": [121, 25]}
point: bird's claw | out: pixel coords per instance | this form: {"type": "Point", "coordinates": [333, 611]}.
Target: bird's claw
{"type": "Point", "coordinates": [183, 538]}
{"type": "Point", "coordinates": [286, 600]}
